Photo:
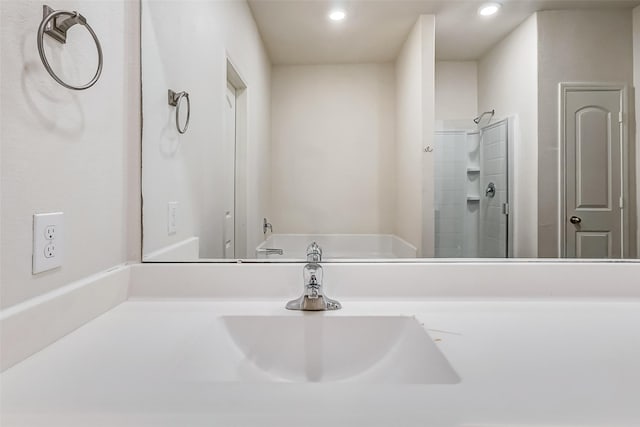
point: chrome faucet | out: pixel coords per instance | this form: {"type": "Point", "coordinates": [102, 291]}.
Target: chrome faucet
{"type": "Point", "coordinates": [313, 298]}
{"type": "Point", "coordinates": [266, 225]}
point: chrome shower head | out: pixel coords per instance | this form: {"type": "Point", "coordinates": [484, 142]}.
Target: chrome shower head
{"type": "Point", "coordinates": [477, 119]}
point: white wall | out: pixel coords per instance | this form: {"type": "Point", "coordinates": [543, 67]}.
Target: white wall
{"type": "Point", "coordinates": [169, 164]}
{"type": "Point", "coordinates": [574, 46]}
{"type": "Point", "coordinates": [456, 85]}
{"type": "Point", "coordinates": [69, 151]}
{"type": "Point", "coordinates": [415, 112]}
{"type": "Point", "coordinates": [508, 83]}
{"type": "Point", "coordinates": [333, 133]}
{"type": "Point", "coordinates": [185, 47]}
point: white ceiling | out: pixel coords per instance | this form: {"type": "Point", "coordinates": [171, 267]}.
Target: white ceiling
{"type": "Point", "coordinates": [298, 31]}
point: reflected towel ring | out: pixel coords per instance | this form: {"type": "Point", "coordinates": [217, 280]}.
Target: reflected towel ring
{"type": "Point", "coordinates": [175, 99]}
{"type": "Point", "coordinates": [58, 31]}
{"type": "Point", "coordinates": [428, 149]}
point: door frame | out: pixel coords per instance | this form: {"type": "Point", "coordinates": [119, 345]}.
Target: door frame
{"type": "Point", "coordinates": [563, 89]}
{"type": "Point", "coordinates": [235, 79]}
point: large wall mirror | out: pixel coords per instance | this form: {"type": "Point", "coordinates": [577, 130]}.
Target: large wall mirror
{"type": "Point", "coordinates": [389, 129]}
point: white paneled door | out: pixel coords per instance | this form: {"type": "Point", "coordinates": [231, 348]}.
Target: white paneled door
{"type": "Point", "coordinates": [229, 174]}
{"type": "Point", "coordinates": [592, 138]}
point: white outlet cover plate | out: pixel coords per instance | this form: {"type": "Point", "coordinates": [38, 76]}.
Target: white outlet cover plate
{"type": "Point", "coordinates": [42, 223]}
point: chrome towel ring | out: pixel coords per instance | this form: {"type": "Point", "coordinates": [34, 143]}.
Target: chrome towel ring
{"type": "Point", "coordinates": [175, 99]}
{"type": "Point", "coordinates": [51, 26]}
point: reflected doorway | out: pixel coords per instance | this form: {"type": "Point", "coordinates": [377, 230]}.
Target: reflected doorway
{"type": "Point", "coordinates": [595, 179]}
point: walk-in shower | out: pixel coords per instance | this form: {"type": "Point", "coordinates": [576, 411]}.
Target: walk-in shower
{"type": "Point", "coordinates": [471, 179]}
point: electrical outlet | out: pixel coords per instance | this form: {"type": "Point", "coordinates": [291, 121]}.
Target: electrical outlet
{"type": "Point", "coordinates": [50, 232]}
{"type": "Point", "coordinates": [47, 241]}
{"type": "Point", "coordinates": [50, 250]}
{"type": "Point", "coordinates": [172, 218]}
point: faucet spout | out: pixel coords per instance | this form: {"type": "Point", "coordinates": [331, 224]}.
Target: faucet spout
{"type": "Point", "coordinates": [314, 252]}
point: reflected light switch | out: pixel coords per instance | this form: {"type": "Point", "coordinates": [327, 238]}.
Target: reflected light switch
{"type": "Point", "coordinates": [172, 218]}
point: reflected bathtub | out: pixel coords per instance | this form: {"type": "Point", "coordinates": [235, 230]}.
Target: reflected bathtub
{"type": "Point", "coordinates": [338, 246]}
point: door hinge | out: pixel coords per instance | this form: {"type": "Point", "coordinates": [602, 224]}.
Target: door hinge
{"type": "Point", "coordinates": [505, 208]}
{"type": "Point", "coordinates": [620, 117]}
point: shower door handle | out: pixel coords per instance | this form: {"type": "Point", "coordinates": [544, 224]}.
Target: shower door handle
{"type": "Point", "coordinates": [575, 220]}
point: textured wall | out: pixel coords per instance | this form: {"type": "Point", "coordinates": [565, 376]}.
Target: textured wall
{"type": "Point", "coordinates": [185, 47]}
{"type": "Point", "coordinates": [69, 151]}
{"type": "Point", "coordinates": [415, 112]}
{"type": "Point", "coordinates": [508, 83]}
{"type": "Point", "coordinates": [574, 46]}
{"type": "Point", "coordinates": [333, 134]}
{"type": "Point", "coordinates": [456, 90]}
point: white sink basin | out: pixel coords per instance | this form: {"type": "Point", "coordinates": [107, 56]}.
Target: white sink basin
{"type": "Point", "coordinates": [318, 348]}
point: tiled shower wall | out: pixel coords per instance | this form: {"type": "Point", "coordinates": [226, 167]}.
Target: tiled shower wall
{"type": "Point", "coordinates": [450, 169]}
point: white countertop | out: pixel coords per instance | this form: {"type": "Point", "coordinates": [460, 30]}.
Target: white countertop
{"type": "Point", "coordinates": [529, 362]}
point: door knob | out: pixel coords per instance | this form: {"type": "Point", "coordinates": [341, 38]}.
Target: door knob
{"type": "Point", "coordinates": [575, 220]}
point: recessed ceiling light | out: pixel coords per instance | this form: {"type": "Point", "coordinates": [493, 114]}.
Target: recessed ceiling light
{"type": "Point", "coordinates": [489, 9]}
{"type": "Point", "coordinates": [337, 15]}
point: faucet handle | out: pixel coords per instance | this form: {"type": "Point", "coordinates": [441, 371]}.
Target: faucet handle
{"type": "Point", "coordinates": [314, 252]}
{"type": "Point", "coordinates": [313, 281]}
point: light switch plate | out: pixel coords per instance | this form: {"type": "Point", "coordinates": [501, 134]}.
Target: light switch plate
{"type": "Point", "coordinates": [48, 241]}
{"type": "Point", "coordinates": [172, 218]}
